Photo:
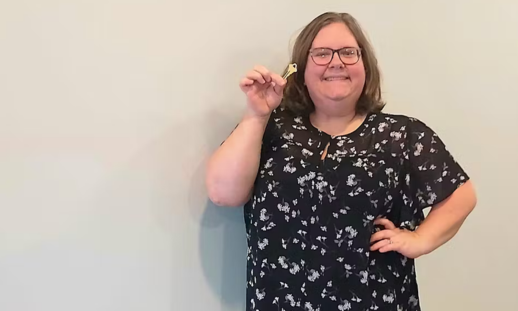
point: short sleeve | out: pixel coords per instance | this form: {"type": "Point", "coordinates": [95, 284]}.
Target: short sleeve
{"type": "Point", "coordinates": [431, 172]}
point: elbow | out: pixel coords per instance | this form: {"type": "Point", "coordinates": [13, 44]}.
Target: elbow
{"type": "Point", "coordinates": [224, 197]}
{"type": "Point", "coordinates": [225, 191]}
{"type": "Point", "coordinates": [226, 203]}
{"type": "Point", "coordinates": [221, 199]}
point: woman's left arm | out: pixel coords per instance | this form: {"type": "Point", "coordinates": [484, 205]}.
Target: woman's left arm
{"type": "Point", "coordinates": [446, 218]}
{"type": "Point", "coordinates": [432, 178]}
{"type": "Point", "coordinates": [441, 224]}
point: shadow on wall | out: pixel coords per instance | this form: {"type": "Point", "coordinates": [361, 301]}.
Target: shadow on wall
{"type": "Point", "coordinates": [223, 255]}
{"type": "Point", "coordinates": [222, 245]}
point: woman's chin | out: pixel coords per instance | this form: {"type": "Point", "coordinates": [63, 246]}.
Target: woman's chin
{"type": "Point", "coordinates": [338, 96]}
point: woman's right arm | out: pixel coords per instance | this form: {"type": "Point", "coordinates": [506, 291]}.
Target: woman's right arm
{"type": "Point", "coordinates": [232, 169]}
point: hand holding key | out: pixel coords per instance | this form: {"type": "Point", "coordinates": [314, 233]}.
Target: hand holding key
{"type": "Point", "coordinates": [264, 89]}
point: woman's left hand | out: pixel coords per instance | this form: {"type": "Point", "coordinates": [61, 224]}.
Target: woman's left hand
{"type": "Point", "coordinates": [406, 242]}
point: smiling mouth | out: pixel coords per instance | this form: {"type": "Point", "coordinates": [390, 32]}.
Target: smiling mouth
{"type": "Point", "coordinates": [336, 78]}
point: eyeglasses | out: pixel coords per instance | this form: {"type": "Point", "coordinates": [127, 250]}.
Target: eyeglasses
{"type": "Point", "coordinates": [324, 56]}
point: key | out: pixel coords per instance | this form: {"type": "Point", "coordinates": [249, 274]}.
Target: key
{"type": "Point", "coordinates": [292, 68]}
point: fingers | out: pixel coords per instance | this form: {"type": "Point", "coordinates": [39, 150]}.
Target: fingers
{"type": "Point", "coordinates": [277, 79]}
{"type": "Point", "coordinates": [389, 247]}
{"type": "Point", "coordinates": [262, 75]}
{"type": "Point", "coordinates": [385, 222]}
{"type": "Point", "coordinates": [379, 245]}
{"type": "Point", "coordinates": [246, 82]}
{"type": "Point", "coordinates": [259, 74]}
{"type": "Point", "coordinates": [278, 83]}
{"type": "Point", "coordinates": [381, 235]}
{"type": "Point", "coordinates": [384, 240]}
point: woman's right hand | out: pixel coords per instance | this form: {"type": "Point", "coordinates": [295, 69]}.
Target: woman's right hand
{"type": "Point", "coordinates": [264, 91]}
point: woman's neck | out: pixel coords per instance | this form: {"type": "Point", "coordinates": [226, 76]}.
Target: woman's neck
{"type": "Point", "coordinates": [336, 123]}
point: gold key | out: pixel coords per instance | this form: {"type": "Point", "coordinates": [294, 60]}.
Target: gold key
{"type": "Point", "coordinates": [292, 68]}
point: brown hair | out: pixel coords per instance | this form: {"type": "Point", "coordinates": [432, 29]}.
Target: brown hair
{"type": "Point", "coordinates": [296, 96]}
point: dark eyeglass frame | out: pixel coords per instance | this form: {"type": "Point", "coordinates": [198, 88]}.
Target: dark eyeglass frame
{"type": "Point", "coordinates": [358, 55]}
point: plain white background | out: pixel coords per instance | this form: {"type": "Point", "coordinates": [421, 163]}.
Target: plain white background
{"type": "Point", "coordinates": [109, 108]}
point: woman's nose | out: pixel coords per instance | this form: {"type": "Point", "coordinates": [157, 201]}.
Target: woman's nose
{"type": "Point", "coordinates": [336, 61]}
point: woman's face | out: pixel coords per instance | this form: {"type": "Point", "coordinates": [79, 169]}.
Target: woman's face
{"type": "Point", "coordinates": [334, 82]}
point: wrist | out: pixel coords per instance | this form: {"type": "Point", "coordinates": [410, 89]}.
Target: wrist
{"type": "Point", "coordinates": [426, 243]}
{"type": "Point", "coordinates": [252, 117]}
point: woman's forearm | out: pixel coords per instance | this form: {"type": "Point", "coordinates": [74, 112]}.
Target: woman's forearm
{"type": "Point", "coordinates": [232, 169]}
{"type": "Point", "coordinates": [446, 218]}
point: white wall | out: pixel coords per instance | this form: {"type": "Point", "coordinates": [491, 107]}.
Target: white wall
{"type": "Point", "coordinates": [109, 108]}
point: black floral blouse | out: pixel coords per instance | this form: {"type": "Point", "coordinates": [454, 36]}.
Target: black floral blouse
{"type": "Point", "coordinates": [309, 220]}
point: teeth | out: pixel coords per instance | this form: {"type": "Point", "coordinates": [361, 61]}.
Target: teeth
{"type": "Point", "coordinates": [335, 78]}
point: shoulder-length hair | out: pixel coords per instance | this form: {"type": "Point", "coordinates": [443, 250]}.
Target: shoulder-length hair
{"type": "Point", "coordinates": [296, 96]}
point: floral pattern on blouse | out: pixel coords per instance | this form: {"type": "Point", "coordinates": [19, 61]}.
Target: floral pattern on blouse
{"type": "Point", "coordinates": [309, 220]}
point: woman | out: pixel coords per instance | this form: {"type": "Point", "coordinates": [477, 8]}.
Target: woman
{"type": "Point", "coordinates": [333, 189]}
